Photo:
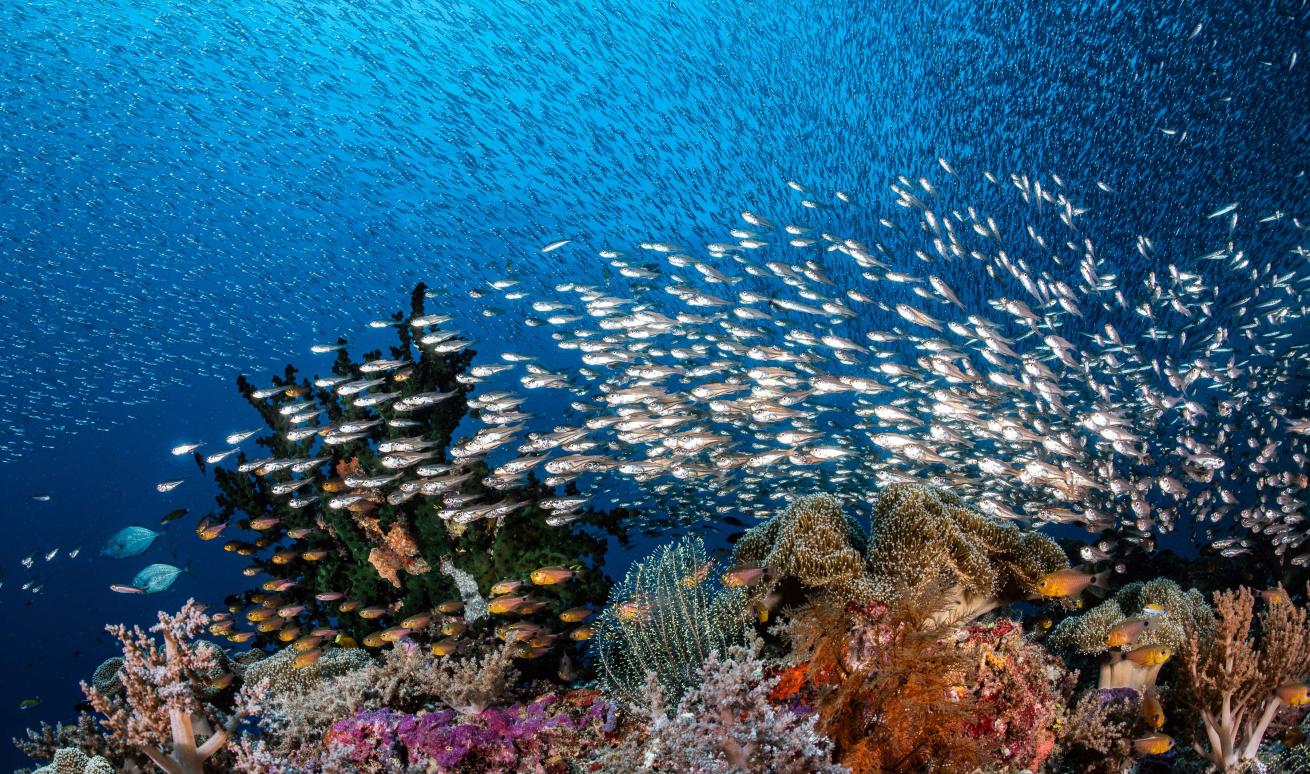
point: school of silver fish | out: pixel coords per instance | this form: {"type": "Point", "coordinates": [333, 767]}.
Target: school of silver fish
{"type": "Point", "coordinates": [789, 357]}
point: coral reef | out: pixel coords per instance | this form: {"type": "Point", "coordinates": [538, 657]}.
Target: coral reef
{"type": "Point", "coordinates": [728, 724]}
{"type": "Point", "coordinates": [159, 711]}
{"type": "Point", "coordinates": [538, 736]}
{"type": "Point", "coordinates": [406, 678]}
{"type": "Point", "coordinates": [1166, 613]}
{"type": "Point", "coordinates": [889, 685]}
{"type": "Point", "coordinates": [1022, 693]}
{"type": "Point", "coordinates": [920, 535]}
{"type": "Point", "coordinates": [282, 677]}
{"type": "Point", "coordinates": [379, 550]}
{"type": "Point", "coordinates": [667, 617]}
{"type": "Point", "coordinates": [1098, 732]}
{"type": "Point", "coordinates": [1238, 681]}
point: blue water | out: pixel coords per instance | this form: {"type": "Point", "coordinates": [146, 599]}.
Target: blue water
{"type": "Point", "coordinates": [193, 190]}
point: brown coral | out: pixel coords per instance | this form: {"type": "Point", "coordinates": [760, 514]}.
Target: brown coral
{"type": "Point", "coordinates": [921, 534]}
{"type": "Point", "coordinates": [812, 542]}
{"type": "Point", "coordinates": [1231, 679]}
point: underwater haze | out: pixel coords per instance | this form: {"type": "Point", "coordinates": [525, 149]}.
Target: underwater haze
{"type": "Point", "coordinates": [1044, 257]}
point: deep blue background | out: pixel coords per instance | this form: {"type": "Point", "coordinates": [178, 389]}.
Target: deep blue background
{"type": "Point", "coordinates": [192, 190]}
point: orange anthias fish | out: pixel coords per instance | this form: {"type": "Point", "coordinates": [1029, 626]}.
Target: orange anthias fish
{"type": "Point", "coordinates": [1066, 583]}
{"type": "Point", "coordinates": [549, 576]}
{"type": "Point", "coordinates": [1293, 694]}
{"type": "Point", "coordinates": [450, 608]}
{"type": "Point", "coordinates": [1124, 633]}
{"type": "Point", "coordinates": [742, 576]}
{"type": "Point", "coordinates": [1155, 744]}
{"type": "Point", "coordinates": [1149, 655]}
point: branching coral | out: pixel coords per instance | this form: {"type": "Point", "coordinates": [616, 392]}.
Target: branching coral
{"type": "Point", "coordinates": [727, 724]}
{"type": "Point", "coordinates": [42, 744]}
{"type": "Point", "coordinates": [1233, 679]}
{"type": "Point", "coordinates": [1168, 614]}
{"type": "Point", "coordinates": [923, 535]}
{"type": "Point", "coordinates": [1098, 732]}
{"type": "Point", "coordinates": [668, 616]}
{"type": "Point", "coordinates": [159, 712]}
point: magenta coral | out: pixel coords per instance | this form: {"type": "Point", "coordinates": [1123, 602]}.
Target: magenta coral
{"type": "Point", "coordinates": [158, 711]}
{"type": "Point", "coordinates": [537, 736]}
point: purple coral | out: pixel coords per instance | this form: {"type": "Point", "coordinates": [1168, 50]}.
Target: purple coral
{"type": "Point", "coordinates": [519, 738]}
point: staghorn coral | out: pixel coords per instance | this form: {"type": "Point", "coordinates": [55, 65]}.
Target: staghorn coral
{"type": "Point", "coordinates": [666, 617]}
{"type": "Point", "coordinates": [921, 534]}
{"type": "Point", "coordinates": [159, 712]}
{"type": "Point", "coordinates": [1230, 676]}
{"type": "Point", "coordinates": [1087, 633]}
{"type": "Point", "coordinates": [727, 724]}
{"type": "Point", "coordinates": [814, 543]}
{"type": "Point", "coordinates": [42, 744]}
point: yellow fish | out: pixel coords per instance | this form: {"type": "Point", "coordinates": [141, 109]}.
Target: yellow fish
{"type": "Point", "coordinates": [306, 658]}
{"type": "Point", "coordinates": [416, 622]}
{"type": "Point", "coordinates": [499, 590]}
{"type": "Point", "coordinates": [445, 647]}
{"type": "Point", "coordinates": [208, 531]}
{"type": "Point", "coordinates": [698, 575]}
{"type": "Point", "coordinates": [502, 605]}
{"type": "Point", "coordinates": [1149, 655]}
{"type": "Point", "coordinates": [575, 614]}
{"type": "Point", "coordinates": [1293, 694]}
{"type": "Point", "coordinates": [1155, 744]}
{"type": "Point", "coordinates": [1152, 711]}
{"type": "Point", "coordinates": [346, 641]}
{"type": "Point", "coordinates": [370, 613]}
{"type": "Point", "coordinates": [582, 633]}
{"type": "Point", "coordinates": [1126, 632]}
{"type": "Point", "coordinates": [454, 628]}
{"type": "Point", "coordinates": [241, 636]}
{"type": "Point", "coordinates": [1064, 583]}
{"type": "Point", "coordinates": [450, 608]}
{"type": "Point", "coordinates": [549, 576]}
{"type": "Point", "coordinates": [1275, 596]}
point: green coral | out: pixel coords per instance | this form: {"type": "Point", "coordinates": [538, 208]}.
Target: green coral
{"type": "Point", "coordinates": [666, 617]}
{"type": "Point", "coordinates": [1087, 633]}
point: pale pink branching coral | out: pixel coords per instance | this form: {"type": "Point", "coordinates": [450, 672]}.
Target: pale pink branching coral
{"type": "Point", "coordinates": [158, 711]}
{"type": "Point", "coordinates": [1232, 681]}
{"type": "Point", "coordinates": [727, 724]}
